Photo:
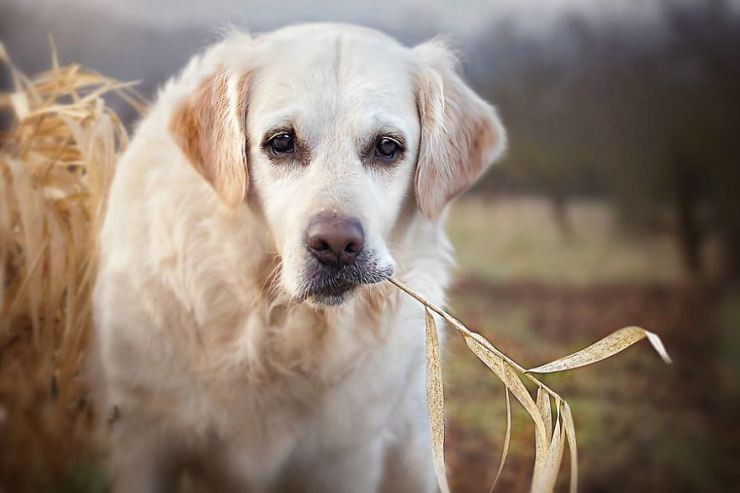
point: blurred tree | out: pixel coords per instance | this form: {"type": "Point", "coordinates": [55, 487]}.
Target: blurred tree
{"type": "Point", "coordinates": [645, 114]}
{"type": "Point", "coordinates": [709, 35]}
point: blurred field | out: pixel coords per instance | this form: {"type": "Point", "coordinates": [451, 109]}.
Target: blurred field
{"type": "Point", "coordinates": [520, 240]}
{"type": "Point", "coordinates": [538, 293]}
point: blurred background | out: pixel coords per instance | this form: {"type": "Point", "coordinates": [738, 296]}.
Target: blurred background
{"type": "Point", "coordinates": [618, 204]}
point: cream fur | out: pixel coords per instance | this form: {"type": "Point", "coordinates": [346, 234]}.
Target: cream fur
{"type": "Point", "coordinates": [206, 354]}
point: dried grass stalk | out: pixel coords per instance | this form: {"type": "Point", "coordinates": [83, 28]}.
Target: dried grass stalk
{"type": "Point", "coordinates": [56, 161]}
{"type": "Point", "coordinates": [550, 435]}
{"type": "Point", "coordinates": [435, 401]}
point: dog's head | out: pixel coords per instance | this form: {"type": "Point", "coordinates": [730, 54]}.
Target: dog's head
{"type": "Point", "coordinates": [332, 131]}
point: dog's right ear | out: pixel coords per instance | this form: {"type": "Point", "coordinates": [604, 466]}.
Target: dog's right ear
{"type": "Point", "coordinates": [461, 134]}
{"type": "Point", "coordinates": [209, 128]}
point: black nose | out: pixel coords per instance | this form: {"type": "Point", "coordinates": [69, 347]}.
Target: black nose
{"type": "Point", "coordinates": [335, 240]}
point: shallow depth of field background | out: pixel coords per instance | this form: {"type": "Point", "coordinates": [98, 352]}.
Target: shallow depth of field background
{"type": "Point", "coordinates": [618, 204]}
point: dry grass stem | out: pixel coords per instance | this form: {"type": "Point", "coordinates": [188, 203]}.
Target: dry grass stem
{"type": "Point", "coordinates": [551, 435]}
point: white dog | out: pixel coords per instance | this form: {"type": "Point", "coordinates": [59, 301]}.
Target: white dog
{"type": "Point", "coordinates": [245, 330]}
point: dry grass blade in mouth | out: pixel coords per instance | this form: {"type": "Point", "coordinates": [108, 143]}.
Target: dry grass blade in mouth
{"type": "Point", "coordinates": [507, 440]}
{"type": "Point", "coordinates": [551, 435]}
{"type": "Point", "coordinates": [609, 346]}
{"type": "Point", "coordinates": [435, 401]}
{"type": "Point", "coordinates": [57, 155]}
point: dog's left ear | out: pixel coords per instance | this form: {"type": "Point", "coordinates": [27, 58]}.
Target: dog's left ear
{"type": "Point", "coordinates": [461, 135]}
{"type": "Point", "coordinates": [209, 128]}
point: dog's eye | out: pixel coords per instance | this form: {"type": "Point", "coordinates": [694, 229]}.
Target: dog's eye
{"type": "Point", "coordinates": [282, 143]}
{"type": "Point", "coordinates": [387, 149]}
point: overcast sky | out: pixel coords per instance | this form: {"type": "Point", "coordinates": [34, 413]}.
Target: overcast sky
{"type": "Point", "coordinates": [149, 40]}
{"type": "Point", "coordinates": [456, 16]}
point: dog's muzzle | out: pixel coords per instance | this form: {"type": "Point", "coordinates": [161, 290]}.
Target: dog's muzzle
{"type": "Point", "coordinates": [340, 262]}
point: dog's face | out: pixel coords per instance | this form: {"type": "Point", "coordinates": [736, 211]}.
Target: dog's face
{"type": "Point", "coordinates": [335, 131]}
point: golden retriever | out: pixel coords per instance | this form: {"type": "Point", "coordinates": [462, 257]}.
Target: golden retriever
{"type": "Point", "coordinates": [243, 327]}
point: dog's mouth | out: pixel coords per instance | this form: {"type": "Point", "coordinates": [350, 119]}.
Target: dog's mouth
{"type": "Point", "coordinates": [330, 285]}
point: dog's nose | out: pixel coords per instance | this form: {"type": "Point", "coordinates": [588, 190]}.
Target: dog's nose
{"type": "Point", "coordinates": [335, 240]}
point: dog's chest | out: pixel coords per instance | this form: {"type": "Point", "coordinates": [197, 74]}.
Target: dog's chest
{"type": "Point", "coordinates": [314, 386]}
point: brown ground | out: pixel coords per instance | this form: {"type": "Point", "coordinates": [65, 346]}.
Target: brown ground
{"type": "Point", "coordinates": [641, 426]}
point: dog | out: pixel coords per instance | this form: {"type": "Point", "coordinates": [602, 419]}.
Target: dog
{"type": "Point", "coordinates": [245, 329]}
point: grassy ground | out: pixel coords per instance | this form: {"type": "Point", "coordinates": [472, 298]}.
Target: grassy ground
{"type": "Point", "coordinates": [539, 293]}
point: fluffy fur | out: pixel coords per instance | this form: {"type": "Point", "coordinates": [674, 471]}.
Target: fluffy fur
{"type": "Point", "coordinates": [213, 354]}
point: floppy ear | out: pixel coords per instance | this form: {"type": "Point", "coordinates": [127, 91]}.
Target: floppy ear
{"type": "Point", "coordinates": [461, 135]}
{"type": "Point", "coordinates": [209, 128]}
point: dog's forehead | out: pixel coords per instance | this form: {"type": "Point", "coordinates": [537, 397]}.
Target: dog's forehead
{"type": "Point", "coordinates": [334, 68]}
{"type": "Point", "coordinates": [312, 43]}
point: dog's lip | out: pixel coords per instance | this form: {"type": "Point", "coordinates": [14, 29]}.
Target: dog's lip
{"type": "Point", "coordinates": [332, 295]}
{"type": "Point", "coordinates": [337, 286]}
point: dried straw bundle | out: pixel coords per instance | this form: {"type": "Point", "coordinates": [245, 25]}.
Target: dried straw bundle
{"type": "Point", "coordinates": [56, 161]}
